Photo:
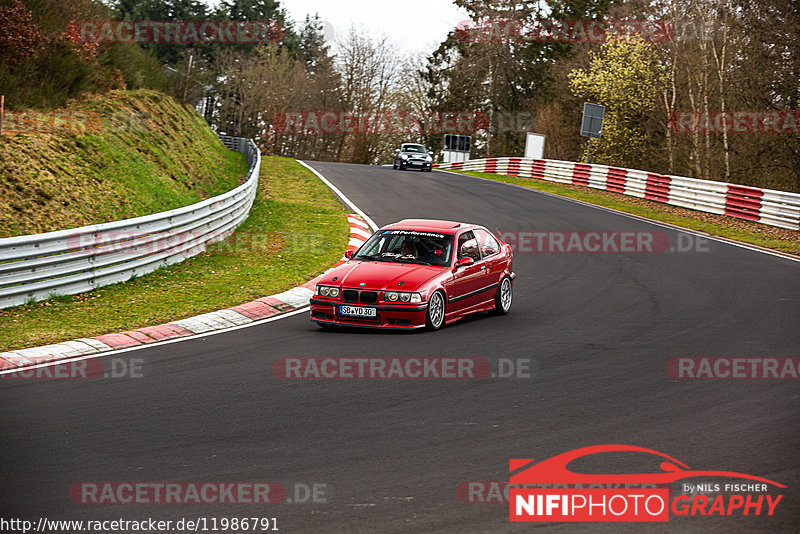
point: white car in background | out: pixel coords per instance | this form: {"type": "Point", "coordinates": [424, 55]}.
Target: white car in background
{"type": "Point", "coordinates": [412, 156]}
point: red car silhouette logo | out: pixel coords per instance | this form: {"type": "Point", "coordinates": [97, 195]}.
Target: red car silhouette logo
{"type": "Point", "coordinates": [554, 470]}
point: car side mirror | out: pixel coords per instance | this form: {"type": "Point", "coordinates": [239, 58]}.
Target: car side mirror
{"type": "Point", "coordinates": [349, 254]}
{"type": "Point", "coordinates": [464, 262]}
{"type": "Point", "coordinates": [397, 151]}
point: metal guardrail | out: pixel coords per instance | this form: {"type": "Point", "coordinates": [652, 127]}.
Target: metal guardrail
{"type": "Point", "coordinates": [767, 206]}
{"type": "Point", "coordinates": [66, 262]}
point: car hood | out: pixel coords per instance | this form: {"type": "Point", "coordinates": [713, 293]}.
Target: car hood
{"type": "Point", "coordinates": [381, 275]}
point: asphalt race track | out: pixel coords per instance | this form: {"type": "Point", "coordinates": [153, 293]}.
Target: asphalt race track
{"type": "Point", "coordinates": [597, 330]}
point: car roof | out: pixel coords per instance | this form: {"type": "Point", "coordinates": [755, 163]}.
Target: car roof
{"type": "Point", "coordinates": [428, 224]}
{"type": "Point", "coordinates": [413, 144]}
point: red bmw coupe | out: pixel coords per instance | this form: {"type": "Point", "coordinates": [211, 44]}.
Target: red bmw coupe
{"type": "Point", "coordinates": [417, 273]}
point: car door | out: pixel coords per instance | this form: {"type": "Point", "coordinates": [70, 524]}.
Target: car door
{"type": "Point", "coordinates": [467, 280]}
{"type": "Point", "coordinates": [491, 258]}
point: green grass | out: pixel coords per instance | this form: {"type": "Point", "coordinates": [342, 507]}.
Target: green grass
{"type": "Point", "coordinates": [296, 230]}
{"type": "Point", "coordinates": [140, 153]}
{"type": "Point", "coordinates": [717, 225]}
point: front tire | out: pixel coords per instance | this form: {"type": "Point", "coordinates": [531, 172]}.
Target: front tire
{"type": "Point", "coordinates": [434, 318]}
{"type": "Point", "coordinates": [504, 297]}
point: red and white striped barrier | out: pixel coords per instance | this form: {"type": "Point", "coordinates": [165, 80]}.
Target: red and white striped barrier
{"type": "Point", "coordinates": [767, 206]}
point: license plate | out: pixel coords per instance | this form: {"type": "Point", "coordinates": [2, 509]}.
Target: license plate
{"type": "Point", "coordinates": [357, 311]}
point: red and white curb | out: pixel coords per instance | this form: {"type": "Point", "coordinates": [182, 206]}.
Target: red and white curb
{"type": "Point", "coordinates": [242, 314]}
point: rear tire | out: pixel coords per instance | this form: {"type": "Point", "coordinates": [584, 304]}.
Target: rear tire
{"type": "Point", "coordinates": [504, 297]}
{"type": "Point", "coordinates": [434, 318]}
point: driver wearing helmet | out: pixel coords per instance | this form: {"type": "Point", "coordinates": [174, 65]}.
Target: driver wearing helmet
{"type": "Point", "coordinates": [407, 248]}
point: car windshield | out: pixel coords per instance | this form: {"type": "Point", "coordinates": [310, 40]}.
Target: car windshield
{"type": "Point", "coordinates": [408, 246]}
{"type": "Point", "coordinates": [415, 148]}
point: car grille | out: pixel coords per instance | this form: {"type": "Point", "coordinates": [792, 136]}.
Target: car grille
{"type": "Point", "coordinates": [369, 297]}
{"type": "Point", "coordinates": [352, 295]}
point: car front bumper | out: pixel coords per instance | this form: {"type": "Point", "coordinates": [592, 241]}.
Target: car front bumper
{"type": "Point", "coordinates": [417, 164]}
{"type": "Point", "coordinates": [406, 317]}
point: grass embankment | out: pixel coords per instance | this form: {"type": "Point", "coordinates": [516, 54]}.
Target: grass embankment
{"type": "Point", "coordinates": [761, 235]}
{"type": "Point", "coordinates": [296, 230]}
{"type": "Point", "coordinates": [113, 156]}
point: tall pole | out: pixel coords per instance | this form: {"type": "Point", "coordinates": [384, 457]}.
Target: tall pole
{"type": "Point", "coordinates": [188, 74]}
{"type": "Point", "coordinates": [2, 111]}
{"type": "Point", "coordinates": [589, 150]}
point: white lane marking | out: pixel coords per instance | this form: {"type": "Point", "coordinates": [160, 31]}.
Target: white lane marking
{"type": "Point", "coordinates": [154, 344]}
{"type": "Point", "coordinates": [341, 195]}
{"type": "Point", "coordinates": [639, 218]}
{"type": "Point", "coordinates": [297, 295]}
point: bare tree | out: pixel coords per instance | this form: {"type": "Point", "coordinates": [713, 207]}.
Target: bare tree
{"type": "Point", "coordinates": [254, 87]}
{"type": "Point", "coordinates": [369, 69]}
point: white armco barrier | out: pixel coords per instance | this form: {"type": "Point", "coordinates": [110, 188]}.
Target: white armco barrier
{"type": "Point", "coordinates": [767, 206]}
{"type": "Point", "coordinates": [66, 262]}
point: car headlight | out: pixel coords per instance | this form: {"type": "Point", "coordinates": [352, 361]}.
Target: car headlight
{"type": "Point", "coordinates": [326, 291]}
{"type": "Point", "coordinates": [399, 296]}
{"type": "Point", "coordinates": [428, 158]}
{"type": "Point", "coordinates": [404, 156]}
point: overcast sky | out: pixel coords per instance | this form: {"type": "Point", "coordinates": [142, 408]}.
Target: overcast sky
{"type": "Point", "coordinates": [412, 25]}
